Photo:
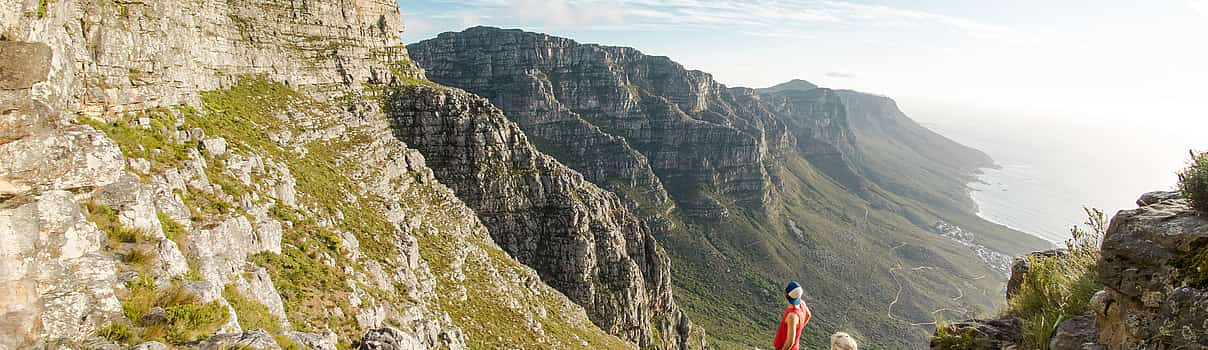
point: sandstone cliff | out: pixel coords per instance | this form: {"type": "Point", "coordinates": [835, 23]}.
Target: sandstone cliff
{"type": "Point", "coordinates": [173, 170]}
{"type": "Point", "coordinates": [580, 238]}
{"type": "Point", "coordinates": [575, 99]}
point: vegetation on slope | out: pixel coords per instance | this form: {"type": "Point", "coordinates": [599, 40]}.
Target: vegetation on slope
{"type": "Point", "coordinates": [740, 305]}
{"type": "Point", "coordinates": [1193, 181]}
{"type": "Point", "coordinates": [312, 272]}
{"type": "Point", "coordinates": [1058, 288]}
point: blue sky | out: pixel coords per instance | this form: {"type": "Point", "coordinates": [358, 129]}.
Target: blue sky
{"type": "Point", "coordinates": [1105, 60]}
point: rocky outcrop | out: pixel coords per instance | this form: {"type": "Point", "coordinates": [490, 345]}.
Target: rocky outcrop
{"type": "Point", "coordinates": [1076, 333]}
{"type": "Point", "coordinates": [580, 238]}
{"type": "Point", "coordinates": [229, 161]}
{"type": "Point", "coordinates": [1022, 264]}
{"type": "Point", "coordinates": [996, 334]}
{"type": "Point", "coordinates": [1152, 267]}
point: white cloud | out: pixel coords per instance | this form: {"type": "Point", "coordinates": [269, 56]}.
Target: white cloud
{"type": "Point", "coordinates": [563, 13]}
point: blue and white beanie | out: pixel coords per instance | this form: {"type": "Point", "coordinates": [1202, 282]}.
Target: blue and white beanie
{"type": "Point", "coordinates": [793, 292]}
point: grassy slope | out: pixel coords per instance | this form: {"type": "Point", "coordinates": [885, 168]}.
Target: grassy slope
{"type": "Point", "coordinates": [844, 262]}
{"type": "Point", "coordinates": [245, 115]}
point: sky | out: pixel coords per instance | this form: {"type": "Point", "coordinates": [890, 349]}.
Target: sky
{"type": "Point", "coordinates": [1113, 61]}
{"type": "Point", "coordinates": [1114, 90]}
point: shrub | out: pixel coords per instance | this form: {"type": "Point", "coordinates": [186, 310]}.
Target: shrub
{"type": "Point", "coordinates": [1057, 288]}
{"type": "Point", "coordinates": [118, 332]}
{"type": "Point", "coordinates": [186, 317]}
{"type": "Point", "coordinates": [947, 338]}
{"type": "Point", "coordinates": [1193, 181]}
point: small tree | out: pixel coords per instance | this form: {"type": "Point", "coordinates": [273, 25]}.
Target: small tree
{"type": "Point", "coordinates": [1193, 181]}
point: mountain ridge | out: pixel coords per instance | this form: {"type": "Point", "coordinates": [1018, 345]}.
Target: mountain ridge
{"type": "Point", "coordinates": [809, 172]}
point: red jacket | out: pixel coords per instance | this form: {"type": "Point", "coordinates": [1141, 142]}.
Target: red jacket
{"type": "Point", "coordinates": [803, 317]}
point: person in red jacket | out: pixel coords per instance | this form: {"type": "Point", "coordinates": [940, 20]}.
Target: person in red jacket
{"type": "Point", "coordinates": [796, 315]}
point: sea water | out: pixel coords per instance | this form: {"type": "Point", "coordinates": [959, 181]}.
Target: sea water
{"type": "Point", "coordinates": [1050, 168]}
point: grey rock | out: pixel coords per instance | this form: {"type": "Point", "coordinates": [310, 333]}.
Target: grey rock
{"type": "Point", "coordinates": [390, 338]}
{"type": "Point", "coordinates": [1074, 334]}
{"type": "Point", "coordinates": [1156, 197]}
{"type": "Point", "coordinates": [252, 340]}
{"type": "Point", "coordinates": [151, 345]}
{"type": "Point", "coordinates": [1148, 298]}
{"type": "Point", "coordinates": [995, 334]}
{"type": "Point", "coordinates": [214, 146]}
{"type": "Point", "coordinates": [155, 316]}
{"type": "Point", "coordinates": [311, 341]}
{"type": "Point", "coordinates": [580, 238]}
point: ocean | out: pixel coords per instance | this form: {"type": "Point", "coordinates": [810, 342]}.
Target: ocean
{"type": "Point", "coordinates": [1050, 167]}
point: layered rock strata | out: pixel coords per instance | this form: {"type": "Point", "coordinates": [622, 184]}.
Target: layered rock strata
{"type": "Point", "coordinates": [1152, 268]}
{"type": "Point", "coordinates": [580, 238]}
{"type": "Point", "coordinates": [213, 167]}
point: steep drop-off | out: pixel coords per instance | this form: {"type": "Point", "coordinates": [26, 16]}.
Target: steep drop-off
{"type": "Point", "coordinates": [221, 174]}
{"type": "Point", "coordinates": [765, 185]}
{"type": "Point", "coordinates": [580, 238]}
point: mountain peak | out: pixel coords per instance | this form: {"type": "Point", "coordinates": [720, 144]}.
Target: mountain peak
{"type": "Point", "coordinates": [795, 84]}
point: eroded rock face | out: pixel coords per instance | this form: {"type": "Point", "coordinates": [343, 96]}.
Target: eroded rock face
{"type": "Point", "coordinates": [211, 215]}
{"type": "Point", "coordinates": [1148, 301]}
{"type": "Point", "coordinates": [580, 238]}
{"type": "Point", "coordinates": [617, 116]}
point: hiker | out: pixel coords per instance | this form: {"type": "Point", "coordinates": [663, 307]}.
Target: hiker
{"type": "Point", "coordinates": [796, 315]}
{"type": "Point", "coordinates": [843, 341]}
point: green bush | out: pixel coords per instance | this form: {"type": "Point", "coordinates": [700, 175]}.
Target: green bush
{"type": "Point", "coordinates": [947, 338]}
{"type": "Point", "coordinates": [186, 317]}
{"type": "Point", "coordinates": [1058, 288]}
{"type": "Point", "coordinates": [1193, 181]}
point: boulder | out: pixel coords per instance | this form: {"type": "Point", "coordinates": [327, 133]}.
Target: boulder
{"type": "Point", "coordinates": [1150, 267]}
{"type": "Point", "coordinates": [1003, 333]}
{"type": "Point", "coordinates": [1074, 334]}
{"type": "Point", "coordinates": [389, 338]}
{"type": "Point", "coordinates": [251, 340]}
{"type": "Point", "coordinates": [312, 341]}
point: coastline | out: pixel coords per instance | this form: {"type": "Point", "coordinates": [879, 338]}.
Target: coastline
{"type": "Point", "coordinates": [980, 191]}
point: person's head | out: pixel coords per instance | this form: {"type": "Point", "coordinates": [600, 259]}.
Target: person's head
{"type": "Point", "coordinates": [843, 341]}
{"type": "Point", "coordinates": [793, 292]}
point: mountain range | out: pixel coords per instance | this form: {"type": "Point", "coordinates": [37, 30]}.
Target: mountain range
{"type": "Point", "coordinates": [269, 174]}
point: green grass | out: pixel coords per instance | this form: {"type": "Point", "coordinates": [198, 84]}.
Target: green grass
{"type": "Point", "coordinates": [155, 143]}
{"type": "Point", "coordinates": [1193, 181]}
{"type": "Point", "coordinates": [106, 220]}
{"type": "Point", "coordinates": [43, 6]}
{"type": "Point", "coordinates": [1194, 268]}
{"type": "Point", "coordinates": [186, 317]}
{"type": "Point", "coordinates": [947, 338]}
{"type": "Point", "coordinates": [251, 314]}
{"type": "Point", "coordinates": [173, 230]}
{"type": "Point", "coordinates": [1056, 289]}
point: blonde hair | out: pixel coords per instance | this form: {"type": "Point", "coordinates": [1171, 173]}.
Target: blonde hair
{"type": "Point", "coordinates": [843, 341]}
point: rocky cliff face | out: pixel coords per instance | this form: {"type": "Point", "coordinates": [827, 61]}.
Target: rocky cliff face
{"type": "Point", "coordinates": [767, 183]}
{"type": "Point", "coordinates": [171, 170]}
{"type": "Point", "coordinates": [1153, 267]}
{"type": "Point", "coordinates": [580, 238]}
{"type": "Point", "coordinates": [665, 123]}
